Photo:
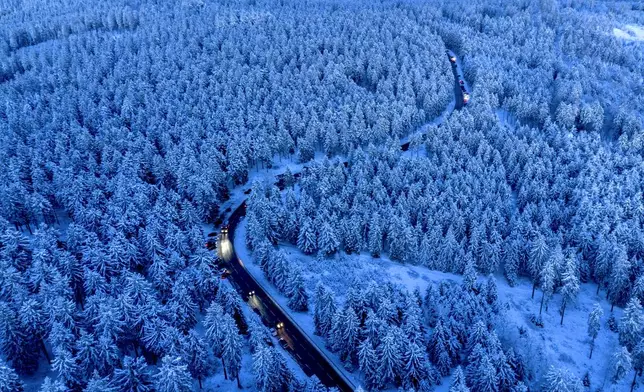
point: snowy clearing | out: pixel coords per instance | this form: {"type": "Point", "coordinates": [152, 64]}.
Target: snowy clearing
{"type": "Point", "coordinates": [630, 32]}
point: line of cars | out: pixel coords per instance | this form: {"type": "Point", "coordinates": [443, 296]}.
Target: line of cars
{"type": "Point", "coordinates": [275, 331]}
{"type": "Point", "coordinates": [461, 82]}
{"type": "Point", "coordinates": [211, 244]}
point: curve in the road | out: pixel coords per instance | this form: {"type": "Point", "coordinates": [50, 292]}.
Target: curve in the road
{"type": "Point", "coordinates": [307, 354]}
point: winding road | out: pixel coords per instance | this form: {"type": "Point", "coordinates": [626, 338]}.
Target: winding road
{"type": "Point", "coordinates": [307, 354]}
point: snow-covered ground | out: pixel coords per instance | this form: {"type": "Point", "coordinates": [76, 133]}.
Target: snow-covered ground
{"type": "Point", "coordinates": [630, 32]}
{"type": "Point", "coordinates": [562, 346]}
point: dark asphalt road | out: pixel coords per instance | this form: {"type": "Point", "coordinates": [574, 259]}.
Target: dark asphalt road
{"type": "Point", "coordinates": [303, 351]}
{"type": "Point", "coordinates": [458, 99]}
{"type": "Point", "coordinates": [307, 355]}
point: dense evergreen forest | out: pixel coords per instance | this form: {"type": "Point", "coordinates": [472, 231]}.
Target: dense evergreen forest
{"type": "Point", "coordinates": [126, 125]}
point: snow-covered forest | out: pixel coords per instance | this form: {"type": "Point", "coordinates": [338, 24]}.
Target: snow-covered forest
{"type": "Point", "coordinates": [129, 129]}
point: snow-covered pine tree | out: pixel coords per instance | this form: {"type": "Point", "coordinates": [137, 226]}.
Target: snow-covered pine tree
{"type": "Point", "coordinates": [619, 283]}
{"type": "Point", "coordinates": [561, 380]}
{"type": "Point", "coordinates": [570, 284]}
{"type": "Point", "coordinates": [213, 325]}
{"type": "Point", "coordinates": [469, 276]}
{"type": "Point", "coordinates": [547, 279]}
{"type": "Point", "coordinates": [439, 348]}
{"type": "Point", "coordinates": [538, 255]}
{"type": "Point", "coordinates": [133, 376]}
{"type": "Point", "coordinates": [594, 324]}
{"type": "Point", "coordinates": [307, 237]}
{"type": "Point", "coordinates": [328, 242]}
{"type": "Point", "coordinates": [390, 357]}
{"type": "Point", "coordinates": [415, 365]}
{"type": "Point", "coordinates": [9, 380]}
{"type": "Point", "coordinates": [368, 363]}
{"type": "Point", "coordinates": [631, 325]}
{"type": "Point", "coordinates": [231, 349]}
{"type": "Point", "coordinates": [484, 379]}
{"type": "Point", "coordinates": [458, 381]}
{"type": "Point", "coordinates": [297, 296]}
{"type": "Point", "coordinates": [621, 364]}
{"type": "Point", "coordinates": [197, 356]}
{"type": "Point", "coordinates": [637, 360]}
{"type": "Point", "coordinates": [173, 376]}
{"type": "Point", "coordinates": [491, 290]}
{"type": "Point", "coordinates": [98, 384]}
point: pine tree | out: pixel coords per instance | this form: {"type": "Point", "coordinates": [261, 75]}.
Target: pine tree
{"type": "Point", "coordinates": [350, 334]}
{"type": "Point", "coordinates": [511, 261]}
{"type": "Point", "coordinates": [474, 360]}
{"type": "Point", "coordinates": [66, 367]}
{"type": "Point", "coordinates": [197, 356]}
{"type": "Point", "coordinates": [375, 236]}
{"type": "Point", "coordinates": [328, 242]}
{"type": "Point", "coordinates": [631, 325]}
{"type": "Point", "coordinates": [561, 380]}
{"type": "Point", "coordinates": [619, 283]}
{"type": "Point", "coordinates": [173, 376]}
{"type": "Point", "coordinates": [547, 279]}
{"type": "Point", "coordinates": [368, 362]}
{"type": "Point", "coordinates": [307, 238]}
{"type": "Point", "coordinates": [637, 358]}
{"type": "Point", "coordinates": [620, 364]}
{"type": "Point", "coordinates": [570, 285]}
{"type": "Point", "coordinates": [491, 290]}
{"type": "Point", "coordinates": [458, 381]}
{"type": "Point", "coordinates": [231, 349]}
{"type": "Point", "coordinates": [594, 324]}
{"type": "Point", "coordinates": [390, 359]}
{"type": "Point", "coordinates": [271, 373]}
{"type": "Point", "coordinates": [99, 384]}
{"type": "Point", "coordinates": [373, 327]}
{"type": "Point", "coordinates": [469, 276]}
{"type": "Point", "coordinates": [505, 374]}
{"type": "Point", "coordinates": [313, 384]}
{"type": "Point", "coordinates": [430, 311]}
{"type": "Point", "coordinates": [478, 334]}
{"type": "Point", "coordinates": [415, 365]}
{"type": "Point", "coordinates": [9, 380]}
{"type": "Point", "coordinates": [538, 254]}
{"type": "Point", "coordinates": [52, 386]}
{"type": "Point", "coordinates": [324, 310]}
{"type": "Point", "coordinates": [485, 378]}
{"type": "Point", "coordinates": [297, 297]}
{"type": "Point", "coordinates": [263, 369]}
{"type": "Point", "coordinates": [439, 348]}
{"type": "Point", "coordinates": [133, 376]}
{"type": "Point", "coordinates": [214, 327]}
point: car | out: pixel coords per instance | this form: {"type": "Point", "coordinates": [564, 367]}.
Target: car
{"type": "Point", "coordinates": [280, 325]}
{"type": "Point", "coordinates": [461, 82]}
{"type": "Point", "coordinates": [225, 274]}
{"type": "Point", "coordinates": [213, 234]}
{"type": "Point", "coordinates": [452, 59]}
{"type": "Point", "coordinates": [466, 98]}
{"type": "Point", "coordinates": [251, 293]}
{"type": "Point", "coordinates": [211, 244]}
{"type": "Point", "coordinates": [283, 343]}
{"type": "Point", "coordinates": [224, 229]}
{"type": "Point", "coordinates": [463, 88]}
